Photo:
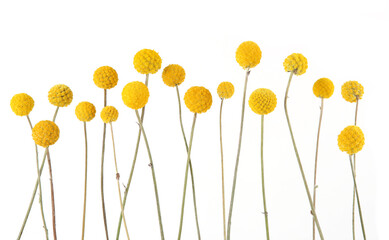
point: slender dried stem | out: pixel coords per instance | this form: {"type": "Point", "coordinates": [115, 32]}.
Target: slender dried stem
{"type": "Point", "coordinates": [222, 166]}
{"type": "Point", "coordinates": [263, 181]}
{"type": "Point", "coordinates": [85, 181]}
{"type": "Point", "coordinates": [102, 172]}
{"type": "Point", "coordinates": [355, 172]}
{"type": "Point", "coordinates": [52, 194]}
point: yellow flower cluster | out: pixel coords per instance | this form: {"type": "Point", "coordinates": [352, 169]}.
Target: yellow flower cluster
{"type": "Point", "coordinates": [225, 90]}
{"type": "Point", "coordinates": [351, 140]}
{"type": "Point", "coordinates": [198, 99]}
{"type": "Point", "coordinates": [22, 104]}
{"type": "Point", "coordinates": [173, 75]}
{"type": "Point", "coordinates": [85, 111]}
{"type": "Point", "coordinates": [248, 54]}
{"type": "Point", "coordinates": [60, 95]}
{"type": "Point", "coordinates": [135, 95]}
{"type": "Point", "coordinates": [262, 101]}
{"type": "Point", "coordinates": [109, 114]}
{"type": "Point", "coordinates": [323, 88]}
{"type": "Point", "coordinates": [45, 133]}
{"type": "Point", "coordinates": [147, 61]}
{"type": "Point", "coordinates": [352, 90]}
{"type": "Point", "coordinates": [296, 63]}
{"type": "Point", "coordinates": [105, 77]}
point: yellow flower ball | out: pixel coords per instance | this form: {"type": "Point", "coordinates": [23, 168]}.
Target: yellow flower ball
{"type": "Point", "coordinates": [262, 101]}
{"type": "Point", "coordinates": [109, 114]}
{"type": "Point", "coordinates": [351, 90]}
{"type": "Point", "coordinates": [85, 111]}
{"type": "Point", "coordinates": [22, 104]}
{"type": "Point", "coordinates": [135, 95]}
{"type": "Point", "coordinates": [60, 95]}
{"type": "Point", "coordinates": [248, 54]}
{"type": "Point", "coordinates": [323, 88]}
{"type": "Point", "coordinates": [173, 75]}
{"type": "Point", "coordinates": [105, 77]}
{"type": "Point", "coordinates": [45, 133]}
{"type": "Point", "coordinates": [225, 90]}
{"type": "Point", "coordinates": [147, 61]}
{"type": "Point", "coordinates": [296, 63]}
{"type": "Point", "coordinates": [351, 140]}
{"type": "Point", "coordinates": [198, 99]}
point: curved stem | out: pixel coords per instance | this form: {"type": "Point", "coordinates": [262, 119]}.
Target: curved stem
{"type": "Point", "coordinates": [263, 181]}
{"type": "Point", "coordinates": [237, 157]}
{"type": "Point", "coordinates": [153, 174]}
{"type": "Point", "coordinates": [355, 173]}
{"type": "Point", "coordinates": [299, 161]}
{"type": "Point", "coordinates": [52, 194]}
{"type": "Point", "coordinates": [222, 165]}
{"type": "Point", "coordinates": [85, 182]}
{"type": "Point", "coordinates": [102, 171]}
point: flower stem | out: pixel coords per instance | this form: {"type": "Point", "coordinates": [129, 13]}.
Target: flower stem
{"type": "Point", "coordinates": [186, 176]}
{"type": "Point", "coordinates": [355, 172]}
{"type": "Point", "coordinates": [102, 171]}
{"type": "Point", "coordinates": [190, 165]}
{"type": "Point", "coordinates": [237, 157]}
{"type": "Point", "coordinates": [299, 161]}
{"type": "Point", "coordinates": [153, 174]}
{"type": "Point", "coordinates": [222, 165]}
{"type": "Point", "coordinates": [85, 183]}
{"type": "Point", "coordinates": [52, 194]}
{"type": "Point", "coordinates": [263, 180]}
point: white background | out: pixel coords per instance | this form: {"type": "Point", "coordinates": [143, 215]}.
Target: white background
{"type": "Point", "coordinates": [44, 43]}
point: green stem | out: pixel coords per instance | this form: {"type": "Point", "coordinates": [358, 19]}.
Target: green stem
{"type": "Point", "coordinates": [355, 171]}
{"type": "Point", "coordinates": [263, 180]}
{"type": "Point", "coordinates": [102, 172]}
{"type": "Point", "coordinates": [222, 166]}
{"type": "Point", "coordinates": [85, 182]}
{"type": "Point", "coordinates": [52, 194]}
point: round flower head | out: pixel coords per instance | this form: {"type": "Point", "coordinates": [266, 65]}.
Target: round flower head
{"type": "Point", "coordinates": [225, 90]}
{"type": "Point", "coordinates": [109, 114]}
{"type": "Point", "coordinates": [135, 95]}
{"type": "Point", "coordinates": [323, 88]}
{"type": "Point", "coordinates": [60, 95]}
{"type": "Point", "coordinates": [147, 61]}
{"type": "Point", "coordinates": [351, 90]}
{"type": "Point", "coordinates": [105, 77]}
{"type": "Point", "coordinates": [85, 111]}
{"type": "Point", "coordinates": [351, 140]}
{"type": "Point", "coordinates": [198, 99]}
{"type": "Point", "coordinates": [45, 133]}
{"type": "Point", "coordinates": [22, 104]}
{"type": "Point", "coordinates": [173, 75]}
{"type": "Point", "coordinates": [248, 54]}
{"type": "Point", "coordinates": [262, 101]}
{"type": "Point", "coordinates": [296, 63]}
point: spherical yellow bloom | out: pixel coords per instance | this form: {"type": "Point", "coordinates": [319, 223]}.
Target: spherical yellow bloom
{"type": "Point", "coordinates": [135, 95]}
{"type": "Point", "coordinates": [85, 111]}
{"type": "Point", "coordinates": [351, 140]}
{"type": "Point", "coordinates": [147, 61]}
{"type": "Point", "coordinates": [22, 104]}
{"type": "Point", "coordinates": [105, 77]}
{"type": "Point", "coordinates": [60, 95]}
{"type": "Point", "coordinates": [296, 63]}
{"type": "Point", "coordinates": [109, 114]}
{"type": "Point", "coordinates": [352, 90]}
{"type": "Point", "coordinates": [45, 133]}
{"type": "Point", "coordinates": [248, 54]}
{"type": "Point", "coordinates": [225, 90]}
{"type": "Point", "coordinates": [173, 75]}
{"type": "Point", "coordinates": [323, 88]}
{"type": "Point", "coordinates": [198, 99]}
{"type": "Point", "coordinates": [262, 101]}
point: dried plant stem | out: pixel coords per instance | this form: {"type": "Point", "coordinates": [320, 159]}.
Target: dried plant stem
{"type": "Point", "coordinates": [52, 194]}
{"type": "Point", "coordinates": [222, 166]}
{"type": "Point", "coordinates": [263, 181]}
{"type": "Point", "coordinates": [85, 182]}
{"type": "Point", "coordinates": [355, 173]}
{"type": "Point", "coordinates": [153, 174]}
{"type": "Point", "coordinates": [299, 161]}
{"type": "Point", "coordinates": [237, 157]}
{"type": "Point", "coordinates": [102, 171]}
{"type": "Point", "coordinates": [190, 165]}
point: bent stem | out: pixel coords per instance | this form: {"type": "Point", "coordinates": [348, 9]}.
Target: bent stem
{"type": "Point", "coordinates": [263, 180]}
{"type": "Point", "coordinates": [52, 194]}
{"type": "Point", "coordinates": [190, 165]}
{"type": "Point", "coordinates": [85, 182]}
{"type": "Point", "coordinates": [153, 174]}
{"type": "Point", "coordinates": [299, 161]}
{"type": "Point", "coordinates": [102, 171]}
{"type": "Point", "coordinates": [355, 172]}
{"type": "Point", "coordinates": [222, 165]}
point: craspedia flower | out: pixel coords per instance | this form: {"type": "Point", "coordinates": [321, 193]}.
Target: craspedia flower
{"type": "Point", "coordinates": [60, 95]}
{"type": "Point", "coordinates": [22, 104]}
{"type": "Point", "coordinates": [173, 75]}
{"type": "Point", "coordinates": [105, 77]}
{"type": "Point", "coordinates": [225, 90]}
{"type": "Point", "coordinates": [351, 140]}
{"type": "Point", "coordinates": [198, 99]}
{"type": "Point", "coordinates": [296, 63]}
{"type": "Point", "coordinates": [85, 111]}
{"type": "Point", "coordinates": [135, 95]}
{"type": "Point", "coordinates": [262, 101]}
{"type": "Point", "coordinates": [147, 61]}
{"type": "Point", "coordinates": [109, 114]}
{"type": "Point", "coordinates": [248, 54]}
{"type": "Point", "coordinates": [45, 133]}
{"type": "Point", "coordinates": [351, 90]}
{"type": "Point", "coordinates": [323, 88]}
